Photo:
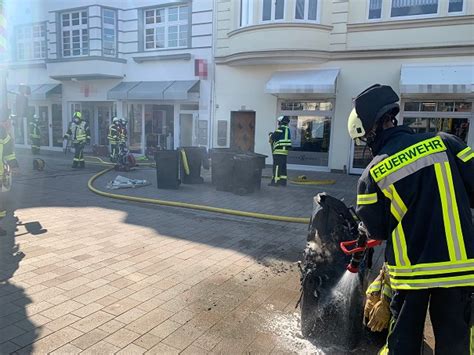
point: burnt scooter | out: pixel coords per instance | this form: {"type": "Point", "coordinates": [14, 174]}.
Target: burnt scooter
{"type": "Point", "coordinates": [336, 244]}
{"type": "Point", "coordinates": [125, 160]}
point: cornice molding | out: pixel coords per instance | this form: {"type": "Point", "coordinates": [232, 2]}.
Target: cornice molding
{"type": "Point", "coordinates": [279, 25]}
{"type": "Point", "coordinates": [414, 23]}
{"type": "Point", "coordinates": [305, 56]}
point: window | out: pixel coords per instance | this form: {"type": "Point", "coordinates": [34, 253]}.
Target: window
{"type": "Point", "coordinates": [75, 34]}
{"type": "Point", "coordinates": [31, 42]}
{"type": "Point", "coordinates": [273, 10]}
{"type": "Point", "coordinates": [455, 6]}
{"type": "Point", "coordinates": [306, 10]}
{"type": "Point", "coordinates": [109, 34]}
{"type": "Point", "coordinates": [246, 12]}
{"type": "Point", "coordinates": [375, 9]}
{"type": "Point", "coordinates": [414, 7]}
{"type": "Point", "coordinates": [166, 27]}
{"type": "Point", "coordinates": [445, 116]}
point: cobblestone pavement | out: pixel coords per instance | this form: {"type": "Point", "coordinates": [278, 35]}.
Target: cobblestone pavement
{"type": "Point", "coordinates": [81, 273]}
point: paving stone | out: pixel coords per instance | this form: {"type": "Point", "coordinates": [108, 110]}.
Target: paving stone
{"type": "Point", "coordinates": [101, 348]}
{"type": "Point", "coordinates": [88, 339]}
{"type": "Point", "coordinates": [147, 341]}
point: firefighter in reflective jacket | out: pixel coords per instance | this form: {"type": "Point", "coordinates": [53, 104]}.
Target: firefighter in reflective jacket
{"type": "Point", "coordinates": [80, 135]}
{"type": "Point", "coordinates": [280, 141]}
{"type": "Point", "coordinates": [35, 135]}
{"type": "Point", "coordinates": [7, 158]}
{"type": "Point", "coordinates": [416, 194]}
{"type": "Point", "coordinates": [114, 138]}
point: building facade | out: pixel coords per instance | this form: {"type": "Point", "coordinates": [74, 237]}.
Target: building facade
{"type": "Point", "coordinates": [149, 61]}
{"type": "Point", "coordinates": [309, 58]}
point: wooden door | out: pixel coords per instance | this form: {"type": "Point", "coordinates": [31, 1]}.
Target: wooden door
{"type": "Point", "coordinates": [242, 131]}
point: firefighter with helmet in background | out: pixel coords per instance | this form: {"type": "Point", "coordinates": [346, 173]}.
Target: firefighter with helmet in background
{"type": "Point", "coordinates": [35, 135]}
{"type": "Point", "coordinates": [7, 160]}
{"type": "Point", "coordinates": [123, 131]}
{"type": "Point", "coordinates": [416, 194]}
{"type": "Point", "coordinates": [280, 142]}
{"type": "Point", "coordinates": [114, 138]}
{"type": "Point", "coordinates": [79, 133]}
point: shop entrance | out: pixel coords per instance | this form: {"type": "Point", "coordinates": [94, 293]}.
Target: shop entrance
{"type": "Point", "coordinates": [242, 130]}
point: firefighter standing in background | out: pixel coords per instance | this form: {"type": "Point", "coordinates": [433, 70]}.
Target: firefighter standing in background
{"type": "Point", "coordinates": [123, 132]}
{"type": "Point", "coordinates": [35, 135]}
{"type": "Point", "coordinates": [416, 194]}
{"type": "Point", "coordinates": [80, 135]}
{"type": "Point", "coordinates": [7, 157]}
{"type": "Point", "coordinates": [280, 141]}
{"type": "Point", "coordinates": [114, 138]}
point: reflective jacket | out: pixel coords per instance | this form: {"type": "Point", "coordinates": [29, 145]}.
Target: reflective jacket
{"type": "Point", "coordinates": [34, 130]}
{"type": "Point", "coordinates": [123, 135]}
{"type": "Point", "coordinates": [78, 132]}
{"type": "Point", "coordinates": [114, 134]}
{"type": "Point", "coordinates": [281, 140]}
{"type": "Point", "coordinates": [417, 193]}
{"type": "Point", "coordinates": [7, 153]}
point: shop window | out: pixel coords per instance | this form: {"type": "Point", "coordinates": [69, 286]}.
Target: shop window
{"type": "Point", "coordinates": [375, 9]}
{"type": "Point", "coordinates": [31, 42]}
{"type": "Point", "coordinates": [273, 10]}
{"type": "Point", "coordinates": [246, 12]}
{"type": "Point", "coordinates": [305, 106]}
{"type": "Point", "coordinates": [306, 10]}
{"type": "Point", "coordinates": [414, 7]}
{"type": "Point", "coordinates": [166, 27]}
{"type": "Point", "coordinates": [135, 120]}
{"type": "Point", "coordinates": [455, 6]}
{"type": "Point", "coordinates": [109, 33]}
{"type": "Point", "coordinates": [75, 34]}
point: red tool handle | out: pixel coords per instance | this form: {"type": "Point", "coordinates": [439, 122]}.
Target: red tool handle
{"type": "Point", "coordinates": [346, 246]}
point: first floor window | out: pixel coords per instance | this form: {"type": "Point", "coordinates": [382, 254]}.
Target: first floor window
{"type": "Point", "coordinates": [375, 9]}
{"type": "Point", "coordinates": [75, 34]}
{"type": "Point", "coordinates": [31, 42]}
{"type": "Point", "coordinates": [306, 10]}
{"type": "Point", "coordinates": [414, 7]}
{"type": "Point", "coordinates": [166, 27]}
{"type": "Point", "coordinates": [455, 6]}
{"type": "Point", "coordinates": [273, 10]}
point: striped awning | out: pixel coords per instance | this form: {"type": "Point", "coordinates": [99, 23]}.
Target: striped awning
{"type": "Point", "coordinates": [437, 79]}
{"type": "Point", "coordinates": [320, 81]}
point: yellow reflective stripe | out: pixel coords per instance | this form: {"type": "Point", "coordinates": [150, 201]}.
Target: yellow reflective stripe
{"type": "Point", "coordinates": [455, 213]}
{"type": "Point", "coordinates": [367, 199]}
{"type": "Point", "coordinates": [405, 157]}
{"type": "Point", "coordinates": [466, 154]}
{"type": "Point", "coordinates": [6, 140]}
{"type": "Point", "coordinates": [433, 272]}
{"type": "Point", "coordinates": [276, 177]}
{"type": "Point", "coordinates": [452, 224]}
{"type": "Point", "coordinates": [433, 281]}
{"type": "Point", "coordinates": [3, 214]}
{"type": "Point", "coordinates": [446, 264]}
{"type": "Point", "coordinates": [375, 286]}
{"type": "Point", "coordinates": [398, 209]}
{"type": "Point", "coordinates": [10, 157]}
{"type": "Point", "coordinates": [471, 345]}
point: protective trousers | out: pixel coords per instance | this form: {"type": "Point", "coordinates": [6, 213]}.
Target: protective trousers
{"type": "Point", "coordinates": [450, 313]}
{"type": "Point", "coordinates": [279, 169]}
{"type": "Point", "coordinates": [35, 145]}
{"type": "Point", "coordinates": [78, 161]}
{"type": "Point", "coordinates": [114, 150]}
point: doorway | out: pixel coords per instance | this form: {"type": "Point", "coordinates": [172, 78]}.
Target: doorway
{"type": "Point", "coordinates": [186, 130]}
{"type": "Point", "coordinates": [242, 130]}
{"type": "Point", "coordinates": [98, 116]}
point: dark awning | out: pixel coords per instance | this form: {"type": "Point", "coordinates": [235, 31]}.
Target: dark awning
{"type": "Point", "coordinates": [39, 91]}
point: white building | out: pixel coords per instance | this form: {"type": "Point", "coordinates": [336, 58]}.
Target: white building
{"type": "Point", "coordinates": [309, 58]}
{"type": "Point", "coordinates": [149, 61]}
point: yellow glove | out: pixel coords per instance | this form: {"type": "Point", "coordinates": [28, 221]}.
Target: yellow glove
{"type": "Point", "coordinates": [379, 317]}
{"type": "Point", "coordinates": [372, 299]}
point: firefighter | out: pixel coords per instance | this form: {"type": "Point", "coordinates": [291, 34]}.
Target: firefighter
{"type": "Point", "coordinates": [417, 193]}
{"type": "Point", "coordinates": [123, 131]}
{"type": "Point", "coordinates": [280, 141]}
{"type": "Point", "coordinates": [114, 138]}
{"type": "Point", "coordinates": [7, 156]}
{"type": "Point", "coordinates": [79, 133]}
{"type": "Point", "coordinates": [35, 135]}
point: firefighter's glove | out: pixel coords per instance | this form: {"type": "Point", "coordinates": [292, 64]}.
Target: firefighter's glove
{"type": "Point", "coordinates": [371, 300]}
{"type": "Point", "coordinates": [379, 317]}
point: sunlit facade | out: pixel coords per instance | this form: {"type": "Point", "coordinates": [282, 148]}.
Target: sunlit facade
{"type": "Point", "coordinates": [149, 61]}
{"type": "Point", "coordinates": [309, 58]}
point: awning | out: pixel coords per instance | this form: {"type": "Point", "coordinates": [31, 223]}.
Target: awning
{"type": "Point", "coordinates": [154, 90]}
{"type": "Point", "coordinates": [38, 91]}
{"type": "Point", "coordinates": [321, 81]}
{"type": "Point", "coordinates": [437, 79]}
